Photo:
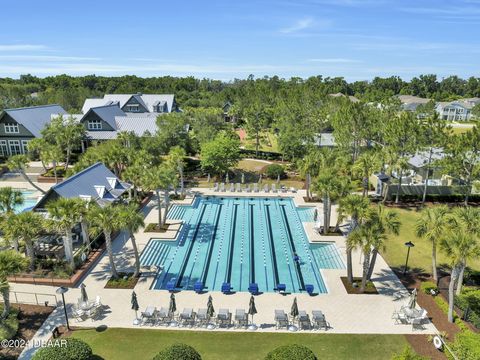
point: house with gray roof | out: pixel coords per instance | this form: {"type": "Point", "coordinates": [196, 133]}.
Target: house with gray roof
{"type": "Point", "coordinates": [95, 183]}
{"type": "Point", "coordinates": [458, 110]}
{"type": "Point", "coordinates": [135, 103]}
{"type": "Point", "coordinates": [19, 126]}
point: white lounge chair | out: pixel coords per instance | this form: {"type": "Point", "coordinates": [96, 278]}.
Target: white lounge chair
{"type": "Point", "coordinates": [274, 188]}
{"type": "Point", "coordinates": [215, 187]}
{"type": "Point", "coordinates": [238, 187]}
{"type": "Point", "coordinates": [248, 188]}
{"type": "Point", "coordinates": [232, 187]}
{"type": "Point", "coordinates": [222, 187]}
{"type": "Point", "coordinates": [255, 187]}
{"type": "Point", "coordinates": [265, 188]}
{"type": "Point", "coordinates": [281, 319]}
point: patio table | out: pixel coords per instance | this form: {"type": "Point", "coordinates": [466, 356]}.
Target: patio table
{"type": "Point", "coordinates": [86, 305]}
{"type": "Point", "coordinates": [411, 313]}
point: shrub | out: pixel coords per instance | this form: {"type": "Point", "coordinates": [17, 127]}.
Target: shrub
{"type": "Point", "coordinates": [274, 170]}
{"type": "Point", "coordinates": [466, 346]}
{"type": "Point", "coordinates": [408, 354]}
{"type": "Point", "coordinates": [178, 352]}
{"type": "Point", "coordinates": [75, 349]}
{"type": "Point", "coordinates": [428, 286]}
{"type": "Point", "coordinates": [9, 326]}
{"type": "Point", "coordinates": [291, 352]}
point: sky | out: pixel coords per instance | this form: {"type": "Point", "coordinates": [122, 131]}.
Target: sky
{"type": "Point", "coordinates": [355, 39]}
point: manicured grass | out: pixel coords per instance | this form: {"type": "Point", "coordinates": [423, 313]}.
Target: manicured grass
{"type": "Point", "coordinates": [461, 130]}
{"type": "Point", "coordinates": [268, 142]}
{"type": "Point", "coordinates": [119, 343]}
{"type": "Point", "coordinates": [421, 254]}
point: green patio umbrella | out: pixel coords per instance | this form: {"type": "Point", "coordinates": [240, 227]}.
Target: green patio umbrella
{"type": "Point", "coordinates": [173, 304]}
{"type": "Point", "coordinates": [135, 307]}
{"type": "Point", "coordinates": [315, 214]}
{"type": "Point", "coordinates": [294, 309]}
{"type": "Point", "coordinates": [252, 310]}
{"type": "Point", "coordinates": [210, 309]}
{"type": "Point", "coordinates": [83, 293]}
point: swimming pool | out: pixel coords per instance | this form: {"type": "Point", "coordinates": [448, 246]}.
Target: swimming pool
{"type": "Point", "coordinates": [241, 241]}
{"type": "Point", "coordinates": [30, 199]}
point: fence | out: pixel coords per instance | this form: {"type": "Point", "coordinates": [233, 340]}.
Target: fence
{"type": "Point", "coordinates": [21, 297]}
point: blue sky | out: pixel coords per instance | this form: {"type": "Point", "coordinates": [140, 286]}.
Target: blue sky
{"type": "Point", "coordinates": [356, 39]}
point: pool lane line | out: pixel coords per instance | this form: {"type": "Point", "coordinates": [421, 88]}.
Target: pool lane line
{"type": "Point", "coordinates": [190, 247]}
{"type": "Point", "coordinates": [210, 248]}
{"type": "Point", "coordinates": [232, 242]}
{"type": "Point", "coordinates": [292, 245]}
{"type": "Point", "coordinates": [252, 246]}
{"type": "Point", "coordinates": [272, 244]}
{"type": "Point", "coordinates": [219, 254]}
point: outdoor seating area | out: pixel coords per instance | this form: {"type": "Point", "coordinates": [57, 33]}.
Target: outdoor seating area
{"type": "Point", "coordinates": [410, 315]}
{"type": "Point", "coordinates": [87, 309]}
{"type": "Point", "coordinates": [222, 187]}
{"type": "Point", "coordinates": [302, 321]}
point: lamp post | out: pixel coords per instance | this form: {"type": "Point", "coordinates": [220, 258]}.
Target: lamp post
{"type": "Point", "coordinates": [61, 291]}
{"type": "Point", "coordinates": [409, 245]}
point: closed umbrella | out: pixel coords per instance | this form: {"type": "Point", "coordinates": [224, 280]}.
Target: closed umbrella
{"type": "Point", "coordinates": [315, 214]}
{"type": "Point", "coordinates": [208, 177]}
{"type": "Point", "coordinates": [135, 307]}
{"type": "Point", "coordinates": [210, 312]}
{"type": "Point", "coordinates": [83, 294]}
{"type": "Point", "coordinates": [278, 178]}
{"type": "Point", "coordinates": [227, 179]}
{"type": "Point", "coordinates": [412, 302]}
{"type": "Point", "coordinates": [243, 178]}
{"type": "Point", "coordinates": [294, 314]}
{"type": "Point", "coordinates": [252, 310]}
{"type": "Point", "coordinates": [172, 308]}
{"type": "Point", "coordinates": [260, 179]}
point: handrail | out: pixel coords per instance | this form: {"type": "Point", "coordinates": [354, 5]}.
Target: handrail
{"type": "Point", "coordinates": [36, 295]}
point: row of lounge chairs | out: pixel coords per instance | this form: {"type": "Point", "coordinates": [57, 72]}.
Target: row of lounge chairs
{"type": "Point", "coordinates": [189, 318]}
{"type": "Point", "coordinates": [222, 187]}
{"type": "Point", "coordinates": [303, 320]}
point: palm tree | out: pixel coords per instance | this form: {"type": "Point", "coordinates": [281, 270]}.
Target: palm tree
{"type": "Point", "coordinates": [9, 198]}
{"type": "Point", "coordinates": [20, 163]}
{"type": "Point", "coordinates": [431, 226]}
{"type": "Point", "coordinates": [400, 166]}
{"type": "Point", "coordinates": [357, 207]}
{"type": "Point", "coordinates": [132, 220]}
{"type": "Point", "coordinates": [176, 156]}
{"type": "Point", "coordinates": [11, 263]}
{"type": "Point", "coordinates": [388, 223]}
{"type": "Point", "coordinates": [309, 167]}
{"type": "Point", "coordinates": [106, 219]}
{"type": "Point", "coordinates": [161, 178]}
{"type": "Point", "coordinates": [327, 185]}
{"type": "Point", "coordinates": [365, 165]}
{"type": "Point", "coordinates": [82, 208]}
{"type": "Point", "coordinates": [459, 246]}
{"type": "Point", "coordinates": [24, 227]}
{"type": "Point", "coordinates": [64, 216]}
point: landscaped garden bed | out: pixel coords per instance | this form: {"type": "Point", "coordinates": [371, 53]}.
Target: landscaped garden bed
{"type": "Point", "coordinates": [370, 289]}
{"type": "Point", "coordinates": [156, 228]}
{"type": "Point", "coordinates": [124, 281]}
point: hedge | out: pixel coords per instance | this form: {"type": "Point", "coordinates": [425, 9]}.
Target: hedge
{"type": "Point", "coordinates": [470, 299]}
{"type": "Point", "coordinates": [408, 354]}
{"type": "Point", "coordinates": [291, 352]}
{"type": "Point", "coordinates": [466, 346]}
{"type": "Point", "coordinates": [178, 352]}
{"type": "Point", "coordinates": [9, 326]}
{"type": "Point", "coordinates": [428, 286]}
{"type": "Point", "coordinates": [273, 171]}
{"type": "Point", "coordinates": [74, 349]}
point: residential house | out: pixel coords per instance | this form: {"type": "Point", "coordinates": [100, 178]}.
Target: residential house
{"type": "Point", "coordinates": [95, 183]}
{"type": "Point", "coordinates": [410, 102]}
{"type": "Point", "coordinates": [19, 126]}
{"type": "Point", "coordinates": [325, 139]}
{"type": "Point", "coordinates": [352, 98]}
{"type": "Point", "coordinates": [458, 110]}
{"type": "Point", "coordinates": [135, 103]}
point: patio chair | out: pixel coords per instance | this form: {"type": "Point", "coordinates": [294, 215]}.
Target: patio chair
{"type": "Point", "coordinates": [417, 323]}
{"type": "Point", "coordinates": [162, 316]}
{"type": "Point", "coordinates": [319, 320]}
{"type": "Point", "coordinates": [97, 302]}
{"type": "Point", "coordinates": [215, 187]}
{"type": "Point", "coordinates": [202, 317]}
{"type": "Point", "coordinates": [222, 187]}
{"type": "Point", "coordinates": [226, 288]}
{"type": "Point", "coordinates": [304, 320]}
{"type": "Point", "coordinates": [274, 188]}
{"type": "Point", "coordinates": [147, 316]}
{"type": "Point", "coordinates": [281, 288]}
{"type": "Point", "coordinates": [79, 315]}
{"type": "Point", "coordinates": [255, 187]}
{"type": "Point", "coordinates": [253, 288]}
{"type": "Point", "coordinates": [198, 287]}
{"type": "Point", "coordinates": [265, 188]}
{"type": "Point", "coordinates": [224, 318]}
{"type": "Point", "coordinates": [238, 187]}
{"type": "Point", "coordinates": [94, 313]}
{"type": "Point", "coordinates": [400, 318]}
{"type": "Point", "coordinates": [241, 318]}
{"type": "Point", "coordinates": [187, 317]}
{"type": "Point", "coordinates": [309, 288]}
{"type": "Point", "coordinates": [281, 319]}
{"type": "Point", "coordinates": [248, 188]}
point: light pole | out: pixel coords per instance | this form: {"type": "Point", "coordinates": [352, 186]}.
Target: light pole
{"type": "Point", "coordinates": [61, 291]}
{"type": "Point", "coordinates": [409, 245]}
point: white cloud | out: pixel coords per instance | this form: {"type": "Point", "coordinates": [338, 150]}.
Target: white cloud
{"type": "Point", "coordinates": [21, 47]}
{"type": "Point", "coordinates": [299, 25]}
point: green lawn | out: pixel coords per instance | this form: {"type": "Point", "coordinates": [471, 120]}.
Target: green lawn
{"type": "Point", "coordinates": [119, 343]}
{"type": "Point", "coordinates": [268, 142]}
{"type": "Point", "coordinates": [421, 254]}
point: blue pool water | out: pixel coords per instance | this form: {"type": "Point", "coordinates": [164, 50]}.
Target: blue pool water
{"type": "Point", "coordinates": [30, 199]}
{"type": "Point", "coordinates": [241, 241]}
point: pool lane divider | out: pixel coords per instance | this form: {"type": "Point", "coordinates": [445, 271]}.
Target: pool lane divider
{"type": "Point", "coordinates": [292, 245]}
{"type": "Point", "coordinates": [210, 248]}
{"type": "Point", "coordinates": [252, 247]}
{"type": "Point", "coordinates": [190, 248]}
{"type": "Point", "coordinates": [272, 244]}
{"type": "Point", "coordinates": [232, 242]}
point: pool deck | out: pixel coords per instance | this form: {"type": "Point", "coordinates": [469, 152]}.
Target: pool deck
{"type": "Point", "coordinates": [359, 314]}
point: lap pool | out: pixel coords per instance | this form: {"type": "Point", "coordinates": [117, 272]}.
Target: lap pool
{"type": "Point", "coordinates": [240, 241]}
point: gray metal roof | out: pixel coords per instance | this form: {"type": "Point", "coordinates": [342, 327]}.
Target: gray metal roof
{"type": "Point", "coordinates": [96, 182]}
{"type": "Point", "coordinates": [35, 118]}
{"type": "Point", "coordinates": [102, 135]}
{"type": "Point", "coordinates": [147, 100]}
{"type": "Point", "coordinates": [420, 159]}
{"type": "Point", "coordinates": [325, 139]}
{"type": "Point", "coordinates": [137, 124]}
{"type": "Point", "coordinates": [107, 113]}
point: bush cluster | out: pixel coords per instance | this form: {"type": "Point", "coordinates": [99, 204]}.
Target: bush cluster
{"type": "Point", "coordinates": [291, 352]}
{"type": "Point", "coordinates": [470, 299]}
{"type": "Point", "coordinates": [178, 352]}
{"type": "Point", "coordinates": [274, 170]}
{"type": "Point", "coordinates": [428, 286]}
{"type": "Point", "coordinates": [75, 349]}
{"type": "Point", "coordinates": [9, 326]}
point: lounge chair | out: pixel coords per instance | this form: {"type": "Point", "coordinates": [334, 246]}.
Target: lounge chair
{"type": "Point", "coordinates": [248, 188]}
{"type": "Point", "coordinates": [281, 319]}
{"type": "Point", "coordinates": [224, 318]}
{"type": "Point", "coordinates": [241, 318]}
{"type": "Point", "coordinates": [265, 188]}
{"type": "Point", "coordinates": [148, 316]}
{"type": "Point", "coordinates": [222, 187]}
{"type": "Point", "coordinates": [232, 187]}
{"type": "Point", "coordinates": [238, 187]}
{"type": "Point", "coordinates": [255, 187]}
{"type": "Point", "coordinates": [283, 189]}
{"type": "Point", "coordinates": [202, 317]}
{"type": "Point", "coordinates": [304, 320]}
{"type": "Point", "coordinates": [274, 188]}
{"type": "Point", "coordinates": [319, 320]}
{"type": "Point", "coordinates": [215, 187]}
{"type": "Point", "coordinates": [162, 316]}
{"type": "Point", "coordinates": [187, 317]}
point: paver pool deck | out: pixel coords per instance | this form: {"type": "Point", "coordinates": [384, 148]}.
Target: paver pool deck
{"type": "Point", "coordinates": [355, 314]}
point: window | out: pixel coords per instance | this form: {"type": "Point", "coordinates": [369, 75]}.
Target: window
{"type": "Point", "coordinates": [11, 128]}
{"type": "Point", "coordinates": [133, 108]}
{"type": "Point", "coordinates": [25, 146]}
{"type": "Point", "coordinates": [14, 147]}
{"type": "Point", "coordinates": [94, 125]}
{"type": "Point", "coordinates": [3, 148]}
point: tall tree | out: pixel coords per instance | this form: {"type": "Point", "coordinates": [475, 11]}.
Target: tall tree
{"type": "Point", "coordinates": [20, 163]}
{"type": "Point", "coordinates": [364, 166]}
{"type": "Point", "coordinates": [11, 263]}
{"type": "Point", "coordinates": [176, 157]}
{"type": "Point", "coordinates": [132, 220]}
{"type": "Point", "coordinates": [431, 225]}
{"type": "Point", "coordinates": [9, 198]}
{"type": "Point", "coordinates": [219, 155]}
